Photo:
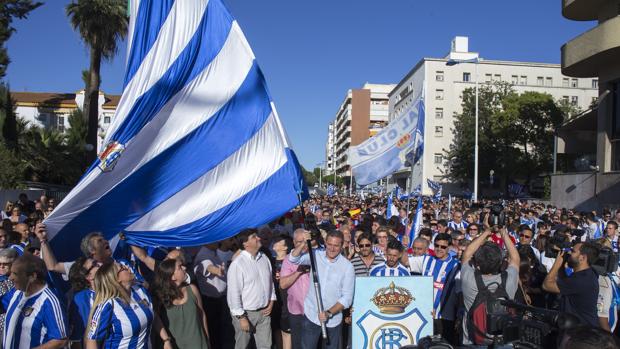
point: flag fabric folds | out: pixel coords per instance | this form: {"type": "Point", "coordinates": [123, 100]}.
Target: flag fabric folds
{"type": "Point", "coordinates": [417, 222]}
{"type": "Point", "coordinates": [437, 189]}
{"type": "Point", "coordinates": [196, 151]}
{"type": "Point", "coordinates": [387, 151]}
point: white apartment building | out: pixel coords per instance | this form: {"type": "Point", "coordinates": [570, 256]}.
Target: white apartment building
{"type": "Point", "coordinates": [52, 110]}
{"type": "Point", "coordinates": [362, 114]}
{"type": "Point", "coordinates": [330, 162]}
{"type": "Point", "coordinates": [443, 87]}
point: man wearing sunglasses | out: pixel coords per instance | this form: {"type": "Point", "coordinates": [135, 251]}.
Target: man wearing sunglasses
{"type": "Point", "coordinates": [445, 271]}
{"type": "Point", "coordinates": [365, 259]}
{"type": "Point", "coordinates": [526, 237]}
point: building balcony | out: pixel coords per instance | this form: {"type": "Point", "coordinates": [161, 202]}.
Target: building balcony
{"type": "Point", "coordinates": [581, 10]}
{"type": "Point", "coordinates": [593, 50]}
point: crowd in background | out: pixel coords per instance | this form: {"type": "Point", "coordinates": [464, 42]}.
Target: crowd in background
{"type": "Point", "coordinates": [255, 289]}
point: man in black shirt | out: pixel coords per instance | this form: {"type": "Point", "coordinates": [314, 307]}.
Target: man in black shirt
{"type": "Point", "coordinates": [579, 291]}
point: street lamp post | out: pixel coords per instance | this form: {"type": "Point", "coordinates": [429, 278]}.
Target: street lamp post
{"type": "Point", "coordinates": [320, 165]}
{"type": "Point", "coordinates": [475, 60]}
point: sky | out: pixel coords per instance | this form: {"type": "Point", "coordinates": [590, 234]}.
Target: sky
{"type": "Point", "coordinates": [312, 52]}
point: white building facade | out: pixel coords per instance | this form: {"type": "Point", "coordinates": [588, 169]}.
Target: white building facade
{"type": "Point", "coordinates": [443, 87]}
{"type": "Point", "coordinates": [52, 110]}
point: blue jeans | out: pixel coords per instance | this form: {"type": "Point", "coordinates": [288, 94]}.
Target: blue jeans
{"type": "Point", "coordinates": [297, 325]}
{"type": "Point", "coordinates": [312, 333]}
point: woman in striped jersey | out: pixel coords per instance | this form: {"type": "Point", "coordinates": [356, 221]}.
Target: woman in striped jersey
{"type": "Point", "coordinates": [122, 312]}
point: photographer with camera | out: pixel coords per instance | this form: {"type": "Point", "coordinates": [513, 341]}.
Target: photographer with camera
{"type": "Point", "coordinates": [483, 283]}
{"type": "Point", "coordinates": [579, 291]}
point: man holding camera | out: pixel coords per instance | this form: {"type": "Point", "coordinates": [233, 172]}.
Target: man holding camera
{"type": "Point", "coordinates": [487, 260]}
{"type": "Point", "coordinates": [579, 291]}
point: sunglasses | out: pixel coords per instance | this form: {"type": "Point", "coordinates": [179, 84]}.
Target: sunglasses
{"type": "Point", "coordinates": [443, 247]}
{"type": "Point", "coordinates": [122, 268]}
{"type": "Point", "coordinates": [364, 245]}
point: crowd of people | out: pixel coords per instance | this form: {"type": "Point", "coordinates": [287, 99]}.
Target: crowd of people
{"type": "Point", "coordinates": [254, 290]}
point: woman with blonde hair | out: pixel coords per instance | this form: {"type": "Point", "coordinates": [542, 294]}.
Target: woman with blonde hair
{"type": "Point", "coordinates": [122, 312]}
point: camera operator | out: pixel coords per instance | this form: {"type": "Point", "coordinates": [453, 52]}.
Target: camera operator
{"type": "Point", "coordinates": [579, 292]}
{"type": "Point", "coordinates": [487, 261]}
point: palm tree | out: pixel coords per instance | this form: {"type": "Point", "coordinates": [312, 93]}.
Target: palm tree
{"type": "Point", "coordinates": [101, 24]}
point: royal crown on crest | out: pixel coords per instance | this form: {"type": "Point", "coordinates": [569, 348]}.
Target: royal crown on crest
{"type": "Point", "coordinates": [392, 299]}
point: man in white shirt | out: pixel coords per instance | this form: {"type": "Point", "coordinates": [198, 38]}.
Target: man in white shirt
{"type": "Point", "coordinates": [251, 292]}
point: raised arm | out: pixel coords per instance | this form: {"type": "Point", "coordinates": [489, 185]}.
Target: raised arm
{"type": "Point", "coordinates": [475, 245]}
{"type": "Point", "coordinates": [46, 252]}
{"type": "Point", "coordinates": [141, 254]}
{"type": "Point", "coordinates": [513, 254]}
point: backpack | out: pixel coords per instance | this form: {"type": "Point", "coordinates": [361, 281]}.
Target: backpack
{"type": "Point", "coordinates": [485, 314]}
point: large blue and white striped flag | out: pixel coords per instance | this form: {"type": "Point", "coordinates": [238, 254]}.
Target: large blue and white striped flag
{"type": "Point", "coordinates": [196, 151]}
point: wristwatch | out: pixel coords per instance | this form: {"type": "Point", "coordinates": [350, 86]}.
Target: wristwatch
{"type": "Point", "coordinates": [329, 314]}
{"type": "Point", "coordinates": [244, 315]}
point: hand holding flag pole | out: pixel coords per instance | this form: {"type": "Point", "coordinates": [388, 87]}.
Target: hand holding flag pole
{"type": "Point", "coordinates": [315, 276]}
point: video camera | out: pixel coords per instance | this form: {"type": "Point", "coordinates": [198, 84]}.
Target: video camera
{"type": "Point", "coordinates": [556, 244]}
{"type": "Point", "coordinates": [529, 327]}
{"type": "Point", "coordinates": [607, 262]}
{"type": "Point", "coordinates": [497, 216]}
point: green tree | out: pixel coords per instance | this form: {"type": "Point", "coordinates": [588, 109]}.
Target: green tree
{"type": "Point", "coordinates": [515, 134]}
{"type": "Point", "coordinates": [10, 10]}
{"type": "Point", "coordinates": [101, 24]}
{"type": "Point", "coordinates": [460, 155]}
{"type": "Point", "coordinates": [11, 171]}
{"type": "Point", "coordinates": [9, 120]}
{"type": "Point", "coordinates": [75, 138]}
{"type": "Point", "coordinates": [309, 177]}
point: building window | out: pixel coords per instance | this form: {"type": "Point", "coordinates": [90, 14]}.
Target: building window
{"type": "Point", "coordinates": [565, 99]}
{"type": "Point", "coordinates": [574, 83]}
{"type": "Point", "coordinates": [540, 81]}
{"type": "Point", "coordinates": [439, 75]}
{"type": "Point", "coordinates": [438, 159]}
{"type": "Point", "coordinates": [549, 81]}
{"type": "Point", "coordinates": [565, 82]}
{"type": "Point", "coordinates": [61, 128]}
{"type": "Point", "coordinates": [594, 83]}
{"type": "Point", "coordinates": [438, 131]}
{"type": "Point", "coordinates": [497, 77]}
{"type": "Point", "coordinates": [514, 80]}
{"type": "Point", "coordinates": [61, 120]}
{"type": "Point", "coordinates": [466, 77]}
{"type": "Point", "coordinates": [523, 80]}
{"type": "Point", "coordinates": [439, 113]}
{"type": "Point", "coordinates": [106, 119]}
{"type": "Point", "coordinates": [488, 77]}
{"type": "Point", "coordinates": [574, 100]}
{"type": "Point", "coordinates": [439, 94]}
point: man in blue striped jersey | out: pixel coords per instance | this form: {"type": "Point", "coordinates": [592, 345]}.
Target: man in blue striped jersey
{"type": "Point", "coordinates": [444, 269]}
{"type": "Point", "coordinates": [391, 266]}
{"type": "Point", "coordinates": [457, 222]}
{"type": "Point", "coordinates": [35, 317]}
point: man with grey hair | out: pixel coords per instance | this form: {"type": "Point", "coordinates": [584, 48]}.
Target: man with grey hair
{"type": "Point", "coordinates": [420, 246]}
{"type": "Point", "coordinates": [93, 245]}
{"type": "Point", "coordinates": [295, 280]}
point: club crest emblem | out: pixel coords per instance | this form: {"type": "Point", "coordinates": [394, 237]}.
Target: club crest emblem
{"type": "Point", "coordinates": [27, 311]}
{"type": "Point", "coordinates": [110, 155]}
{"type": "Point", "coordinates": [391, 327]}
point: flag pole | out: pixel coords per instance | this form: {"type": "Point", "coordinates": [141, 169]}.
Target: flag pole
{"type": "Point", "coordinates": [315, 274]}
